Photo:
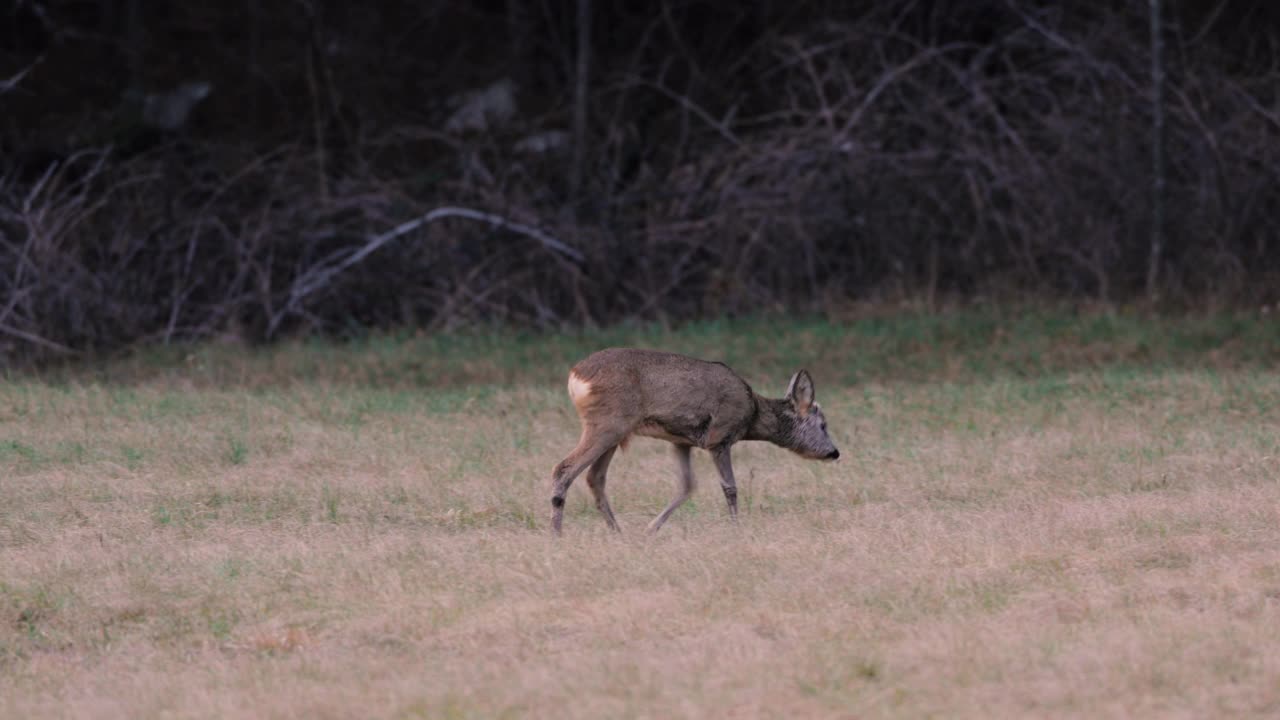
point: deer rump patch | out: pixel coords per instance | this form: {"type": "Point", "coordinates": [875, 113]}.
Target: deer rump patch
{"type": "Point", "coordinates": [579, 390]}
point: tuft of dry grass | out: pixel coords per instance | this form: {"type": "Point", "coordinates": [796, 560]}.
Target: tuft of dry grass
{"type": "Point", "coordinates": [1091, 544]}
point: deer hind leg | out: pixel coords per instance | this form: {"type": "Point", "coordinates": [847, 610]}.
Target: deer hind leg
{"type": "Point", "coordinates": [595, 481]}
{"type": "Point", "coordinates": [590, 448]}
{"type": "Point", "coordinates": [684, 487]}
{"type": "Point", "coordinates": [721, 457]}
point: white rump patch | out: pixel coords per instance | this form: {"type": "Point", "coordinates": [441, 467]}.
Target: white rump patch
{"type": "Point", "coordinates": [579, 389]}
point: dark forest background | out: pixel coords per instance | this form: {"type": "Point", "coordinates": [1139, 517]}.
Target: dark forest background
{"type": "Point", "coordinates": [174, 171]}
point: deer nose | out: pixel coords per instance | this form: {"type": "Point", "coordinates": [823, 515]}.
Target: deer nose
{"type": "Point", "coordinates": [833, 454]}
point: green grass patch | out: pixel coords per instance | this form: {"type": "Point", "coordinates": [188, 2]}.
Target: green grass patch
{"type": "Point", "coordinates": [960, 345]}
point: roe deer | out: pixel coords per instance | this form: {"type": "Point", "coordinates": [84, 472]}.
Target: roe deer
{"type": "Point", "coordinates": [620, 392]}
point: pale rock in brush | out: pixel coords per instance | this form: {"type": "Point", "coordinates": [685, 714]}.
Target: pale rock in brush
{"type": "Point", "coordinates": [543, 142]}
{"type": "Point", "coordinates": [483, 109]}
{"type": "Point", "coordinates": [169, 110]}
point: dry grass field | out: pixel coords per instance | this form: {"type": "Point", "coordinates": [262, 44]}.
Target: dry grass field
{"type": "Point", "coordinates": [286, 537]}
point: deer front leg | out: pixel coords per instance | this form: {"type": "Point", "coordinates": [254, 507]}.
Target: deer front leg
{"type": "Point", "coordinates": [721, 457]}
{"type": "Point", "coordinates": [684, 486]}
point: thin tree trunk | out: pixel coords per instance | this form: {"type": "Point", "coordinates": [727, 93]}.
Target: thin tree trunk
{"type": "Point", "coordinates": [133, 42]}
{"type": "Point", "coordinates": [1157, 153]}
{"type": "Point", "coordinates": [520, 59]}
{"type": "Point", "coordinates": [255, 42]}
{"type": "Point", "coordinates": [577, 172]}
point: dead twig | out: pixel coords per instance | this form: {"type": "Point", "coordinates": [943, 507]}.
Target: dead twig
{"type": "Point", "coordinates": [12, 82]}
{"type": "Point", "coordinates": [36, 340]}
{"type": "Point", "coordinates": [320, 275]}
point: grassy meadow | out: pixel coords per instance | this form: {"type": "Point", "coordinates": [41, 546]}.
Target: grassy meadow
{"type": "Point", "coordinates": [1036, 514]}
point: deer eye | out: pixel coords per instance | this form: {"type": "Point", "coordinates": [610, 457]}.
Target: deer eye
{"type": "Point", "coordinates": [824, 426]}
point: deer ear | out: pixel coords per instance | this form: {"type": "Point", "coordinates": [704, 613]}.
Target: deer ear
{"type": "Point", "coordinates": [800, 391]}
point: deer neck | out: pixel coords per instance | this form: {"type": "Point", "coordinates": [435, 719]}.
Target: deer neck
{"type": "Point", "coordinates": [771, 422]}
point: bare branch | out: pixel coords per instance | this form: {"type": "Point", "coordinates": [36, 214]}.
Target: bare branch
{"type": "Point", "coordinates": [320, 276]}
{"type": "Point", "coordinates": [13, 81]}
{"type": "Point", "coordinates": [718, 125]}
{"type": "Point", "coordinates": [36, 339]}
{"type": "Point", "coordinates": [888, 78]}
